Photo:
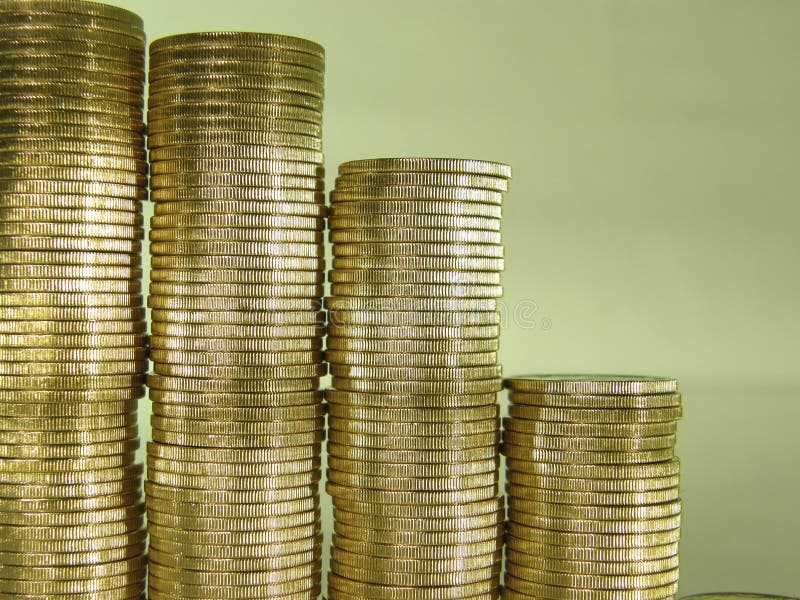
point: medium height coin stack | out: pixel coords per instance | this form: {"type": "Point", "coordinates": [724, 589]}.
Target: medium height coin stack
{"type": "Point", "coordinates": [72, 356]}
{"type": "Point", "coordinates": [236, 239]}
{"type": "Point", "coordinates": [412, 341]}
{"type": "Point", "coordinates": [593, 497]}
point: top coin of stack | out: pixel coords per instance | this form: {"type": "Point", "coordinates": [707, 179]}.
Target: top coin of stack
{"type": "Point", "coordinates": [72, 357]}
{"type": "Point", "coordinates": [236, 241]}
{"type": "Point", "coordinates": [412, 341]}
{"type": "Point", "coordinates": [592, 487]}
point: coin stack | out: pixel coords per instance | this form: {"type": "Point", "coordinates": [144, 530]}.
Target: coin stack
{"type": "Point", "coordinates": [72, 355]}
{"type": "Point", "coordinates": [592, 487]}
{"type": "Point", "coordinates": [236, 285]}
{"type": "Point", "coordinates": [412, 343]}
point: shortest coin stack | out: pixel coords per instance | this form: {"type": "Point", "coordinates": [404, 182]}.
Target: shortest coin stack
{"type": "Point", "coordinates": [592, 482]}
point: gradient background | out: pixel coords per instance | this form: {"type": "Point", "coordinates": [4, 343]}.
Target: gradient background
{"type": "Point", "coordinates": [652, 220]}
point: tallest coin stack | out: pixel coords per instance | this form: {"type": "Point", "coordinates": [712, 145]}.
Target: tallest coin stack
{"type": "Point", "coordinates": [412, 341]}
{"type": "Point", "coordinates": [236, 239]}
{"type": "Point", "coordinates": [72, 177]}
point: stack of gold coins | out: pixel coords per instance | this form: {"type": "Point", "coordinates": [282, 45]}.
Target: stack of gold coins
{"type": "Point", "coordinates": [592, 487]}
{"type": "Point", "coordinates": [412, 343]}
{"type": "Point", "coordinates": [237, 272]}
{"type": "Point", "coordinates": [72, 348]}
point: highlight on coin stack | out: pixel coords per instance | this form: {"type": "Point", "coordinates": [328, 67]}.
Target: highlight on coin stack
{"type": "Point", "coordinates": [412, 344]}
{"type": "Point", "coordinates": [237, 272]}
{"type": "Point", "coordinates": [592, 487]}
{"type": "Point", "coordinates": [72, 355]}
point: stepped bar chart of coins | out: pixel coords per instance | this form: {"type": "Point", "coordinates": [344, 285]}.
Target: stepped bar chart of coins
{"type": "Point", "coordinates": [237, 272]}
{"type": "Point", "coordinates": [413, 324]}
{"type": "Point", "coordinates": [592, 488]}
{"type": "Point", "coordinates": [72, 344]}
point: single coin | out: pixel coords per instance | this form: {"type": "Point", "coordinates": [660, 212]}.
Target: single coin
{"type": "Point", "coordinates": [385, 235]}
{"type": "Point", "coordinates": [594, 582]}
{"type": "Point", "coordinates": [101, 286]}
{"type": "Point", "coordinates": [12, 409]}
{"type": "Point", "coordinates": [596, 526]}
{"type": "Point", "coordinates": [68, 272]}
{"type": "Point", "coordinates": [233, 483]}
{"type": "Point", "coordinates": [406, 497]}
{"type": "Point", "coordinates": [227, 80]}
{"type": "Point", "coordinates": [111, 340]}
{"type": "Point", "coordinates": [395, 247]}
{"type": "Point", "coordinates": [592, 384]}
{"type": "Point", "coordinates": [73, 313]}
{"type": "Point", "coordinates": [201, 330]}
{"type": "Point", "coordinates": [76, 244]}
{"type": "Point", "coordinates": [74, 573]}
{"type": "Point", "coordinates": [621, 556]}
{"type": "Point", "coordinates": [232, 52]}
{"type": "Point", "coordinates": [236, 220]}
{"type": "Point", "coordinates": [237, 359]}
{"type": "Point", "coordinates": [68, 438]}
{"type": "Point", "coordinates": [40, 424]}
{"type": "Point", "coordinates": [236, 427]}
{"type": "Point", "coordinates": [377, 359]}
{"type": "Point", "coordinates": [237, 110]}
{"type": "Point", "coordinates": [461, 442]}
{"type": "Point", "coordinates": [466, 332]}
{"type": "Point", "coordinates": [417, 552]}
{"type": "Point", "coordinates": [405, 416]}
{"type": "Point", "coordinates": [277, 582]}
{"type": "Point", "coordinates": [240, 441]}
{"type": "Point", "coordinates": [234, 538]}
{"type": "Point", "coordinates": [85, 202]}
{"type": "Point", "coordinates": [234, 511]}
{"type": "Point", "coordinates": [178, 384]}
{"type": "Point", "coordinates": [518, 474]}
{"type": "Point", "coordinates": [76, 10]}
{"type": "Point", "coordinates": [435, 374]}
{"type": "Point", "coordinates": [589, 444]}
{"type": "Point", "coordinates": [43, 15]}
{"type": "Point", "coordinates": [407, 178]}
{"type": "Point", "coordinates": [33, 466]}
{"type": "Point", "coordinates": [412, 484]}
{"type": "Point", "coordinates": [485, 590]}
{"type": "Point", "coordinates": [72, 160]}
{"type": "Point", "coordinates": [234, 151]}
{"type": "Point", "coordinates": [429, 429]}
{"type": "Point", "coordinates": [394, 577]}
{"type": "Point", "coordinates": [394, 276]}
{"type": "Point", "coordinates": [235, 289]}
{"type": "Point", "coordinates": [221, 303]}
{"type": "Point", "coordinates": [334, 303]}
{"type": "Point", "coordinates": [110, 475]}
{"type": "Point", "coordinates": [546, 536]}
{"type": "Point", "coordinates": [382, 402]}
{"type": "Point", "coordinates": [234, 456]}
{"type": "Point", "coordinates": [603, 513]}
{"type": "Point", "coordinates": [289, 413]}
{"type": "Point", "coordinates": [79, 144]}
{"type": "Point", "coordinates": [242, 234]}
{"type": "Point", "coordinates": [418, 537]}
{"type": "Point", "coordinates": [593, 498]}
{"type": "Point", "coordinates": [82, 118]}
{"type": "Point", "coordinates": [217, 345]}
{"type": "Point", "coordinates": [426, 165]}
{"type": "Point", "coordinates": [266, 263]}
{"type": "Point", "coordinates": [223, 95]}
{"type": "Point", "coordinates": [233, 525]}
{"type": "Point", "coordinates": [237, 553]}
{"type": "Point", "coordinates": [418, 470]}
{"type": "Point", "coordinates": [413, 346]}
{"type": "Point", "coordinates": [590, 458]}
{"type": "Point", "coordinates": [598, 415]}
{"type": "Point", "coordinates": [13, 257]}
{"type": "Point", "coordinates": [199, 65]}
{"type": "Point", "coordinates": [601, 430]}
{"type": "Point", "coordinates": [656, 470]}
{"type": "Point", "coordinates": [414, 566]}
{"type": "Point", "coordinates": [237, 276]}
{"type": "Point", "coordinates": [133, 585]}
{"type": "Point", "coordinates": [347, 222]}
{"type": "Point", "coordinates": [66, 70]}
{"type": "Point", "coordinates": [219, 247]}
{"type": "Point", "coordinates": [428, 511]}
{"type": "Point", "coordinates": [35, 327]}
{"type": "Point", "coordinates": [71, 382]}
{"type": "Point", "coordinates": [233, 470]}
{"type": "Point", "coordinates": [235, 39]}
{"type": "Point", "coordinates": [545, 563]}
{"type": "Point", "coordinates": [91, 185]}
{"type": "Point", "coordinates": [51, 399]}
{"type": "Point", "coordinates": [416, 193]}
{"type": "Point", "coordinates": [302, 589]}
{"type": "Point", "coordinates": [416, 290]}
{"type": "Point", "coordinates": [233, 123]}
{"type": "Point", "coordinates": [477, 386]}
{"type": "Point", "coordinates": [67, 229]}
{"type": "Point", "coordinates": [44, 491]}
{"type": "Point", "coordinates": [229, 137]}
{"type": "Point", "coordinates": [420, 263]}
{"type": "Point", "coordinates": [75, 85]}
{"type": "Point", "coordinates": [641, 402]}
{"type": "Point", "coordinates": [248, 209]}
{"type": "Point", "coordinates": [385, 208]}
{"type": "Point", "coordinates": [420, 456]}
{"type": "Point", "coordinates": [517, 589]}
{"type": "Point", "coordinates": [314, 369]}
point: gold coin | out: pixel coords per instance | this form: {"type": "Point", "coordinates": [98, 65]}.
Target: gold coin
{"type": "Point", "coordinates": [432, 374]}
{"type": "Point", "coordinates": [77, 86]}
{"type": "Point", "coordinates": [223, 95]}
{"type": "Point", "coordinates": [72, 313]}
{"type": "Point", "coordinates": [23, 561]}
{"type": "Point", "coordinates": [416, 290]}
{"type": "Point", "coordinates": [592, 384]}
{"type": "Point", "coordinates": [596, 526]}
{"type": "Point", "coordinates": [70, 505]}
{"type": "Point", "coordinates": [417, 193]}
{"type": "Point", "coordinates": [68, 423]}
{"type": "Point", "coordinates": [83, 118]}
{"type": "Point", "coordinates": [230, 137]}
{"type": "Point", "coordinates": [642, 402]}
{"type": "Point", "coordinates": [436, 263]}
{"type": "Point", "coordinates": [418, 523]}
{"type": "Point", "coordinates": [414, 566]}
{"type": "Point", "coordinates": [110, 475]}
{"type": "Point", "coordinates": [236, 290]}
{"type": "Point", "coordinates": [237, 427]}
{"type": "Point", "coordinates": [119, 22]}
{"type": "Point", "coordinates": [236, 553]}
{"type": "Point", "coordinates": [62, 467]}
{"type": "Point", "coordinates": [394, 248]}
{"type": "Point", "coordinates": [45, 491]}
{"type": "Point", "coordinates": [65, 409]}
{"type": "Point", "coordinates": [448, 388]}
{"type": "Point", "coordinates": [411, 457]}
{"type": "Point", "coordinates": [408, 416]}
{"type": "Point", "coordinates": [238, 524]}
{"type": "Point", "coordinates": [109, 340]}
{"type": "Point", "coordinates": [413, 346]}
{"type": "Point", "coordinates": [594, 540]}
{"type": "Point", "coordinates": [386, 305]}
{"type": "Point", "coordinates": [544, 563]}
{"type": "Point", "coordinates": [233, 511]}
{"type": "Point", "coordinates": [518, 474]}
{"type": "Point", "coordinates": [236, 40]}
{"type": "Point", "coordinates": [593, 582]}
{"type": "Point", "coordinates": [394, 470]}
{"type": "Point", "coordinates": [211, 496]}
{"type": "Point", "coordinates": [68, 272]}
{"type": "Point", "coordinates": [177, 384]}
{"type": "Point", "coordinates": [420, 538]}
{"type": "Point", "coordinates": [133, 583]}
{"type": "Point", "coordinates": [735, 596]}
{"type": "Point", "coordinates": [75, 10]}
{"type": "Point", "coordinates": [211, 199]}
{"type": "Point", "coordinates": [52, 401]}
{"type": "Point", "coordinates": [86, 132]}
{"type": "Point", "coordinates": [70, 70]}
{"type": "Point", "coordinates": [234, 538]}
{"type": "Point", "coordinates": [230, 52]}
{"type": "Point", "coordinates": [259, 414]}
{"type": "Point", "coordinates": [232, 123]}
{"type": "Point", "coordinates": [429, 429]}
{"type": "Point", "coordinates": [233, 470]}
{"type": "Point", "coordinates": [517, 589]}
{"type": "Point", "coordinates": [386, 208]}
{"type": "Point", "coordinates": [302, 576]}
{"type": "Point", "coordinates": [394, 235]}
{"type": "Point", "coordinates": [602, 513]}
{"type": "Point", "coordinates": [79, 145]}
{"type": "Point", "coordinates": [221, 303]}
{"type": "Point", "coordinates": [39, 451]}
{"type": "Point", "coordinates": [219, 247]}
{"type": "Point", "coordinates": [128, 207]}
{"type": "Point", "coordinates": [428, 511]}
{"type": "Point", "coordinates": [426, 165]}
{"type": "Point", "coordinates": [214, 330]}
{"type": "Point", "coordinates": [399, 221]}
{"type": "Point", "coordinates": [593, 498]}
{"type": "Point", "coordinates": [211, 65]}
{"type": "Point", "coordinates": [234, 456]}
{"type": "Point", "coordinates": [65, 438]}
{"type": "Point", "coordinates": [71, 382]}
{"type": "Point", "coordinates": [412, 484]}
{"type": "Point", "coordinates": [619, 556]}
{"type": "Point", "coordinates": [382, 402]}
{"type": "Point", "coordinates": [238, 359]}
{"type": "Point", "coordinates": [72, 160]}
{"type": "Point", "coordinates": [221, 179]}
{"type": "Point", "coordinates": [405, 497]}
{"type": "Point", "coordinates": [76, 244]}
{"type": "Point", "coordinates": [67, 229]}
{"type": "Point", "coordinates": [195, 152]}
{"type": "Point", "coordinates": [396, 276]}
{"type": "Point", "coordinates": [237, 220]}
{"type": "Point", "coordinates": [237, 345]}
{"type": "Point", "coordinates": [596, 415]}
{"type": "Point", "coordinates": [393, 577]}
{"type": "Point", "coordinates": [235, 110]}
{"type": "Point", "coordinates": [588, 457]}
{"type": "Point", "coordinates": [602, 430]}
{"type": "Point", "coordinates": [303, 589]}
{"type": "Point", "coordinates": [227, 80]}
{"type": "Point", "coordinates": [11, 257]}
{"type": "Point", "coordinates": [241, 441]}
{"type": "Point", "coordinates": [75, 573]}
{"type": "Point", "coordinates": [69, 328]}
{"type": "Point", "coordinates": [267, 263]}
{"type": "Point", "coordinates": [413, 332]}
{"type": "Point", "coordinates": [42, 47]}
{"type": "Point", "coordinates": [385, 359]}
{"type": "Point", "coordinates": [485, 590]}
{"type": "Point", "coordinates": [102, 286]}
{"type": "Point", "coordinates": [237, 276]}
{"type": "Point", "coordinates": [589, 444]}
{"type": "Point", "coordinates": [408, 178]}
{"type": "Point", "coordinates": [240, 234]}
{"type": "Point", "coordinates": [417, 552]}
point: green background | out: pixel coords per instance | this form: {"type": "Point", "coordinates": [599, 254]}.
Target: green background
{"type": "Point", "coordinates": [652, 220]}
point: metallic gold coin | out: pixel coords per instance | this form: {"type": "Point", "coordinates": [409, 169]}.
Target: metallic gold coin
{"type": "Point", "coordinates": [597, 401]}
{"type": "Point", "coordinates": [222, 95]}
{"type": "Point", "coordinates": [384, 305]}
{"type": "Point", "coordinates": [235, 40]}
{"type": "Point", "coordinates": [240, 413]}
{"type": "Point", "coordinates": [483, 590]}
{"type": "Point", "coordinates": [45, 491]}
{"type": "Point", "coordinates": [241, 112]}
{"type": "Point", "coordinates": [414, 235]}
{"type": "Point", "coordinates": [519, 589]}
{"type": "Point", "coordinates": [655, 470]}
{"type": "Point", "coordinates": [411, 332]}
{"type": "Point", "coordinates": [428, 511]}
{"type": "Point", "coordinates": [385, 359]}
{"type": "Point", "coordinates": [74, 86]}
{"type": "Point", "coordinates": [133, 583]}
{"type": "Point", "coordinates": [66, 229]}
{"type": "Point", "coordinates": [426, 165]}
{"type": "Point", "coordinates": [48, 286]}
{"type": "Point", "coordinates": [75, 10]}
{"type": "Point", "coordinates": [226, 80]}
{"type": "Point", "coordinates": [518, 474]}
{"type": "Point", "coordinates": [199, 65]}
{"type": "Point", "coordinates": [110, 475]}
{"type": "Point", "coordinates": [230, 137]}
{"type": "Point", "coordinates": [219, 247]}
{"type": "Point", "coordinates": [594, 582]}
{"type": "Point", "coordinates": [46, 184]}
{"type": "Point", "coordinates": [234, 525]}
{"type": "Point", "coordinates": [593, 498]}
{"type": "Point", "coordinates": [412, 484]}
{"type": "Point", "coordinates": [394, 470]}
{"type": "Point", "coordinates": [594, 540]}
{"type": "Point", "coordinates": [544, 563]}
{"type": "Point", "coordinates": [406, 497]}
{"type": "Point", "coordinates": [234, 455]}
{"type": "Point", "coordinates": [302, 576]}
{"type": "Point", "coordinates": [418, 249]}
{"type": "Point", "coordinates": [186, 210]}
{"type": "Point", "coordinates": [229, 52]}
{"type": "Point", "coordinates": [238, 553]}
{"type": "Point", "coordinates": [238, 359]}
{"type": "Point", "coordinates": [46, 15]}
{"type": "Point", "coordinates": [68, 70]}
{"type": "Point", "coordinates": [233, 123]}
{"type": "Point", "coordinates": [110, 340]}
{"type": "Point", "coordinates": [72, 160]}
{"type": "Point", "coordinates": [619, 556]}
{"type": "Point", "coordinates": [41, 424]}
{"type": "Point", "coordinates": [234, 538]}
{"type": "Point", "coordinates": [237, 427]}
{"type": "Point", "coordinates": [382, 402]}
{"type": "Point", "coordinates": [69, 328]}
{"type": "Point", "coordinates": [433, 374]}
{"type": "Point", "coordinates": [414, 566]}
{"type": "Point", "coordinates": [419, 537]}
{"type": "Point", "coordinates": [217, 496]}
{"type": "Point", "coordinates": [221, 303]}
{"type": "Point", "coordinates": [78, 572]}
{"type": "Point", "coordinates": [12, 257]}
{"type": "Point", "coordinates": [395, 577]}
{"type": "Point", "coordinates": [85, 449]}
{"type": "Point", "coordinates": [42, 47]}
{"type": "Point", "coordinates": [68, 272]}
{"type": "Point", "coordinates": [78, 145]}
{"type": "Point", "coordinates": [233, 470]}
{"type": "Point", "coordinates": [737, 596]}
{"type": "Point", "coordinates": [234, 511]}
{"type": "Point", "coordinates": [380, 442]}
{"type": "Point", "coordinates": [612, 514]}
{"type": "Point", "coordinates": [409, 178]}
{"type": "Point", "coordinates": [397, 221]}
{"type": "Point", "coordinates": [240, 441]}
{"type": "Point", "coordinates": [413, 346]}
{"type": "Point", "coordinates": [62, 467]}
{"type": "Point", "coordinates": [411, 457]}
{"type": "Point", "coordinates": [589, 444]}
{"type": "Point", "coordinates": [241, 234]}
{"type": "Point", "coordinates": [588, 457]}
{"type": "Point", "coordinates": [234, 151]}
{"type": "Point", "coordinates": [301, 589]}
{"type": "Point", "coordinates": [236, 290]}
{"type": "Point", "coordinates": [592, 384]}
{"type": "Point", "coordinates": [384, 208]}
{"type": "Point", "coordinates": [22, 561]}
{"type": "Point", "coordinates": [217, 345]}
{"type": "Point", "coordinates": [404, 416]}
{"type": "Point", "coordinates": [76, 244]}
{"type": "Point", "coordinates": [596, 526]}
{"type": "Point", "coordinates": [236, 220]}
{"type": "Point", "coordinates": [429, 429]}
{"type": "Point", "coordinates": [66, 409]}
{"type": "Point", "coordinates": [73, 313]}
{"type": "Point", "coordinates": [237, 276]}
{"type": "Point", "coordinates": [68, 438]}
{"type": "Point", "coordinates": [598, 415]}
{"type": "Point", "coordinates": [52, 400]}
{"type": "Point", "coordinates": [409, 524]}
{"type": "Point", "coordinates": [177, 384]}
{"type": "Point", "coordinates": [197, 181]}
{"type": "Point", "coordinates": [129, 207]}
{"type": "Point", "coordinates": [436, 263]}
{"type": "Point", "coordinates": [448, 388]}
{"type": "Point", "coordinates": [71, 382]}
{"type": "Point", "coordinates": [417, 193]}
{"type": "Point", "coordinates": [416, 290]}
{"type": "Point", "coordinates": [277, 263]}
{"type": "Point", "coordinates": [32, 114]}
{"type": "Point", "coordinates": [395, 276]}
{"type": "Point", "coordinates": [417, 552]}
{"type": "Point", "coordinates": [207, 198]}
{"type": "Point", "coordinates": [601, 430]}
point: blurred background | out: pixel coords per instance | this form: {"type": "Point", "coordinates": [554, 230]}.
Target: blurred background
{"type": "Point", "coordinates": [651, 225]}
